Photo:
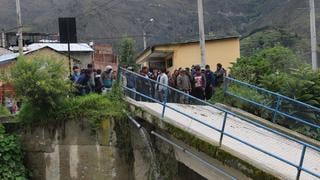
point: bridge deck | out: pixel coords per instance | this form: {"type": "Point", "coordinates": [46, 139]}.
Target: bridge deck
{"type": "Point", "coordinates": [264, 139]}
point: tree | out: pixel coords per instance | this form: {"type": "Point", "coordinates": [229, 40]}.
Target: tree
{"type": "Point", "coordinates": [127, 52]}
{"type": "Point", "coordinates": [264, 62]}
{"type": "Point", "coordinates": [42, 83]}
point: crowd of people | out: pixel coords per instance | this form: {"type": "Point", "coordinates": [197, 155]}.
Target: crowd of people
{"type": "Point", "coordinates": [195, 81]}
{"type": "Point", "coordinates": [91, 80]}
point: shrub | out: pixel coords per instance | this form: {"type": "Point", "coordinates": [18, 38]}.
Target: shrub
{"type": "Point", "coordinates": [279, 70]}
{"type": "Point", "coordinates": [41, 82]}
{"type": "Point", "coordinates": [45, 90]}
{"type": "Point", "coordinates": [302, 84]}
{"type": "Point", "coordinates": [92, 107]}
{"type": "Point", "coordinates": [11, 157]}
{"type": "Point", "coordinates": [249, 94]}
{"type": "Point", "coordinates": [251, 69]}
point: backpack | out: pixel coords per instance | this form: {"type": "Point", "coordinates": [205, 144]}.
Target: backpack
{"type": "Point", "coordinates": [107, 80]}
{"type": "Point", "coordinates": [107, 83]}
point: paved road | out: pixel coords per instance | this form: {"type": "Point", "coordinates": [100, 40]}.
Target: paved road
{"type": "Point", "coordinates": [265, 140]}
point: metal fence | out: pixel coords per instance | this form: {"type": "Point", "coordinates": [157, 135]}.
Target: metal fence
{"type": "Point", "coordinates": [280, 107]}
{"type": "Point", "coordinates": [141, 88]}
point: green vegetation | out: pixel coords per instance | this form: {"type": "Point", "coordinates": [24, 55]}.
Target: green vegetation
{"type": "Point", "coordinates": [46, 92]}
{"type": "Point", "coordinates": [127, 52]}
{"type": "Point", "coordinates": [264, 62]}
{"type": "Point", "coordinates": [277, 69]}
{"type": "Point", "coordinates": [11, 157]}
{"type": "Point", "coordinates": [269, 37]}
{"type": "Point", "coordinates": [4, 111]}
{"type": "Point", "coordinates": [40, 83]}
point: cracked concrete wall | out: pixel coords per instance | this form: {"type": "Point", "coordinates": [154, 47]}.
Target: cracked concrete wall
{"type": "Point", "coordinates": [72, 151]}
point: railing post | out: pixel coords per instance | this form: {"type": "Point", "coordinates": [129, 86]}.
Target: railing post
{"type": "Point", "coordinates": [223, 127]}
{"type": "Point", "coordinates": [165, 100]}
{"type": "Point", "coordinates": [276, 109]}
{"type": "Point", "coordinates": [301, 161]}
{"type": "Point", "coordinates": [225, 86]}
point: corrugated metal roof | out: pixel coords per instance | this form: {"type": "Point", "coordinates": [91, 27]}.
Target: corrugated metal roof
{"type": "Point", "coordinates": [8, 57]}
{"type": "Point", "coordinates": [5, 51]}
{"type": "Point", "coordinates": [61, 47]}
{"type": "Point", "coordinates": [74, 47]}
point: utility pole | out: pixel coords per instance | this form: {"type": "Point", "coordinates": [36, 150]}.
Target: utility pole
{"type": "Point", "coordinates": [144, 32]}
{"type": "Point", "coordinates": [3, 38]}
{"type": "Point", "coordinates": [144, 40]}
{"type": "Point", "coordinates": [69, 53]}
{"type": "Point", "coordinates": [20, 43]}
{"type": "Point", "coordinates": [313, 36]}
{"type": "Point", "coordinates": [201, 33]}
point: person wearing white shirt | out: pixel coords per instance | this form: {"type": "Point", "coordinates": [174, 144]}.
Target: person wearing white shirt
{"type": "Point", "coordinates": [163, 86]}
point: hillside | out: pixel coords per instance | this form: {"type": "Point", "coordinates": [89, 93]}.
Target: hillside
{"type": "Point", "coordinates": [175, 20]}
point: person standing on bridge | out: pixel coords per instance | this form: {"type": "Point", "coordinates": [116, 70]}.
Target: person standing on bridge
{"type": "Point", "coordinates": [107, 78]}
{"type": "Point", "coordinates": [199, 83]}
{"type": "Point", "coordinates": [162, 87]}
{"type": "Point", "coordinates": [183, 84]}
{"type": "Point", "coordinates": [220, 74]}
{"type": "Point", "coordinates": [143, 85]}
{"type": "Point", "coordinates": [210, 79]}
{"type": "Point", "coordinates": [76, 74]}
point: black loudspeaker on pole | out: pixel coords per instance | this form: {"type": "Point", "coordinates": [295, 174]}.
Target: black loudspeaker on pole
{"type": "Point", "coordinates": [68, 34]}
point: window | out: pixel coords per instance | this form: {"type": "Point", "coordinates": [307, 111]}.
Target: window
{"type": "Point", "coordinates": [169, 63]}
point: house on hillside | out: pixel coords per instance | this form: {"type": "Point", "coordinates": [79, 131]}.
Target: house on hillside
{"type": "Point", "coordinates": [81, 52]}
{"type": "Point", "coordinates": [7, 60]}
{"type": "Point", "coordinates": [175, 55]}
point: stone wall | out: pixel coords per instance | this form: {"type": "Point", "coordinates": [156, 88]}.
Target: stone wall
{"type": "Point", "coordinates": [71, 151]}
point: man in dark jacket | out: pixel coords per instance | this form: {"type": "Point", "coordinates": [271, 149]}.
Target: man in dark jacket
{"type": "Point", "coordinates": [82, 84]}
{"type": "Point", "coordinates": [143, 84]}
{"type": "Point", "coordinates": [98, 84]}
{"type": "Point", "coordinates": [76, 74]}
{"type": "Point", "coordinates": [220, 74]}
{"type": "Point", "coordinates": [210, 79]}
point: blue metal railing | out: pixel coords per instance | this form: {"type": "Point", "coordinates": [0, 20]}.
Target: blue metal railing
{"type": "Point", "coordinates": [278, 106]}
{"type": "Point", "coordinates": [149, 97]}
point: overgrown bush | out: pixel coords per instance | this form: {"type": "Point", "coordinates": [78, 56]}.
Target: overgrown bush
{"type": "Point", "coordinates": [251, 69]}
{"type": "Point", "coordinates": [41, 83]}
{"type": "Point", "coordinates": [11, 157]}
{"type": "Point", "coordinates": [245, 93]}
{"type": "Point", "coordinates": [302, 84]}
{"type": "Point", "coordinates": [93, 108]}
{"type": "Point", "coordinates": [279, 70]}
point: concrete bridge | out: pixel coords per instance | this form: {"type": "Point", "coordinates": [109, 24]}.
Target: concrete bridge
{"type": "Point", "coordinates": [237, 159]}
{"type": "Point", "coordinates": [239, 144]}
